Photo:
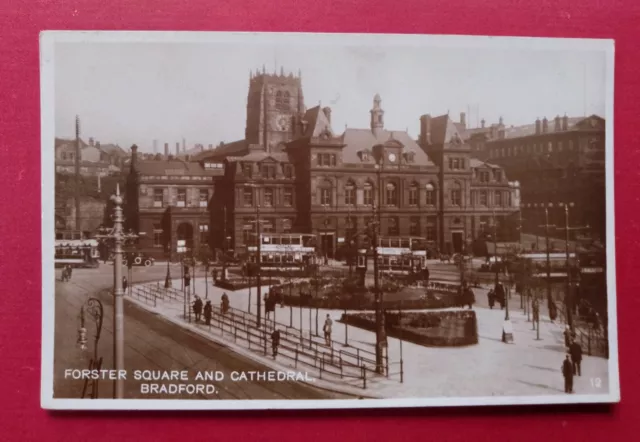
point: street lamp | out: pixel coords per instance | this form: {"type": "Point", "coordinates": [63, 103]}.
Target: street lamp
{"type": "Point", "coordinates": [380, 326]}
{"type": "Point", "coordinates": [429, 188]}
{"type": "Point", "coordinates": [93, 307]}
{"type": "Point", "coordinates": [119, 238]}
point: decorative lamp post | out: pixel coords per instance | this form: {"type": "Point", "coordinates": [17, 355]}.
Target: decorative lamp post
{"type": "Point", "coordinates": [381, 339]}
{"type": "Point", "coordinates": [429, 188]}
{"type": "Point", "coordinates": [95, 311]}
{"type": "Point", "coordinates": [119, 238]}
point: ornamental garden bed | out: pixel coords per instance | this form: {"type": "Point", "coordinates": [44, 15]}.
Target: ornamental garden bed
{"type": "Point", "coordinates": [450, 328]}
{"type": "Point", "coordinates": [328, 294]}
{"type": "Point", "coordinates": [243, 283]}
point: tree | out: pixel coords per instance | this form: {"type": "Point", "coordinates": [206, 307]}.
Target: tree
{"type": "Point", "coordinates": [205, 256]}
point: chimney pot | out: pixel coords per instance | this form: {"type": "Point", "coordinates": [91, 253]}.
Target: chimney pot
{"type": "Point", "coordinates": [463, 119]}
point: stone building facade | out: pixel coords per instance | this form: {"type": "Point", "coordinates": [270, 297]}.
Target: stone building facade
{"type": "Point", "coordinates": [557, 162]}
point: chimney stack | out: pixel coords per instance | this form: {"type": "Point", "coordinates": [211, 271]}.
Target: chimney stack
{"type": "Point", "coordinates": [177, 149]}
{"type": "Point", "coordinates": [184, 145]}
{"type": "Point", "coordinates": [463, 119]}
{"type": "Point", "coordinates": [557, 124]}
{"type": "Point", "coordinates": [134, 157]}
{"type": "Point", "coordinates": [90, 141]}
{"type": "Point", "coordinates": [425, 129]}
{"type": "Point", "coordinates": [565, 122]}
{"type": "Point", "coordinates": [538, 126]}
{"type": "Point", "coordinates": [166, 150]}
{"type": "Point", "coordinates": [155, 147]}
{"type": "Point", "coordinates": [545, 125]}
{"type": "Point", "coordinates": [210, 146]}
{"type": "Point", "coordinates": [500, 121]}
{"type": "Point", "coordinates": [482, 123]}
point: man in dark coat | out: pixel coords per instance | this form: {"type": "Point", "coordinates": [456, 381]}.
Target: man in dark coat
{"type": "Point", "coordinates": [208, 309]}
{"type": "Point", "coordinates": [567, 372]}
{"type": "Point", "coordinates": [469, 297]}
{"type": "Point", "coordinates": [576, 357]}
{"type": "Point", "coordinates": [492, 298]}
{"type": "Point", "coordinates": [197, 308]}
{"type": "Point", "coordinates": [275, 341]}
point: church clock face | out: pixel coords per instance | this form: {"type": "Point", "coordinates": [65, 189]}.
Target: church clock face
{"type": "Point", "coordinates": [282, 122]}
{"type": "Point", "coordinates": [392, 157]}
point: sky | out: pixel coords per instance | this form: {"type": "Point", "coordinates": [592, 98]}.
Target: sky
{"type": "Point", "coordinates": [137, 92]}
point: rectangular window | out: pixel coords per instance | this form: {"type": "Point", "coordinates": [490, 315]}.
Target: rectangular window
{"type": "Point", "coordinates": [327, 159]}
{"type": "Point", "coordinates": [431, 229]}
{"type": "Point", "coordinates": [350, 195]}
{"type": "Point", "coordinates": [287, 225]}
{"type": "Point", "coordinates": [268, 171]}
{"type": "Point", "coordinates": [248, 196]}
{"type": "Point", "coordinates": [158, 196]}
{"type": "Point", "coordinates": [269, 225]}
{"type": "Point", "coordinates": [288, 196]}
{"type": "Point", "coordinates": [325, 197]}
{"type": "Point", "coordinates": [498, 198]}
{"type": "Point", "coordinates": [414, 226]}
{"type": "Point", "coordinates": [413, 196]}
{"type": "Point", "coordinates": [204, 233]}
{"type": "Point", "coordinates": [182, 198]}
{"type": "Point", "coordinates": [484, 176]}
{"type": "Point", "coordinates": [483, 198]}
{"type": "Point", "coordinates": [268, 197]}
{"type": "Point", "coordinates": [287, 170]}
{"type": "Point", "coordinates": [247, 170]}
{"type": "Point", "coordinates": [204, 197]}
{"type": "Point", "coordinates": [431, 197]}
{"type": "Point", "coordinates": [248, 230]}
{"type": "Point", "coordinates": [456, 197]}
{"type": "Point", "coordinates": [157, 235]}
{"type": "Point", "coordinates": [394, 226]}
{"type": "Point", "coordinates": [368, 195]}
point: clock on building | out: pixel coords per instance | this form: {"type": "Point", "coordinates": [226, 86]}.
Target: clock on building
{"type": "Point", "coordinates": [282, 122]}
{"type": "Point", "coordinates": [392, 157]}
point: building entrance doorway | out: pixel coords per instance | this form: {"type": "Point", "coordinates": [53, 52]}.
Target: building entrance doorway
{"type": "Point", "coordinates": [457, 241]}
{"type": "Point", "coordinates": [327, 247]}
{"type": "Point", "coordinates": [185, 233]}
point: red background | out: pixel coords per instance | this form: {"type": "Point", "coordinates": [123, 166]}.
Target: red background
{"type": "Point", "coordinates": [20, 415]}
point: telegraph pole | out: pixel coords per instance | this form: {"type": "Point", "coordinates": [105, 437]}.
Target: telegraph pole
{"type": "Point", "coordinates": [546, 229]}
{"type": "Point", "coordinates": [77, 176]}
{"type": "Point", "coordinates": [258, 266]}
{"type": "Point", "coordinates": [568, 295]}
{"type": "Point", "coordinates": [224, 245]}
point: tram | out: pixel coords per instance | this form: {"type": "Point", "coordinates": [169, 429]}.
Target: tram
{"type": "Point", "coordinates": [280, 253]}
{"type": "Point", "coordinates": [77, 253]}
{"type": "Point", "coordinates": [396, 255]}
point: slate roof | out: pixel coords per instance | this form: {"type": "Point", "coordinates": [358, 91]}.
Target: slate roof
{"type": "Point", "coordinates": [443, 130]}
{"type": "Point", "coordinates": [357, 140]}
{"type": "Point", "coordinates": [236, 148]}
{"type": "Point", "coordinates": [256, 156]}
{"type": "Point", "coordinates": [170, 167]}
{"type": "Point", "coordinates": [317, 122]}
{"type": "Point", "coordinates": [113, 150]}
{"type": "Point", "coordinates": [476, 163]}
{"type": "Point", "coordinates": [530, 129]}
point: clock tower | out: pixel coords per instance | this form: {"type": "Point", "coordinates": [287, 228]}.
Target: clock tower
{"type": "Point", "coordinates": [275, 106]}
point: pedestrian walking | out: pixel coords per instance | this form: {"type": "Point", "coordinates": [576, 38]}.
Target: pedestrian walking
{"type": "Point", "coordinates": [576, 357]}
{"type": "Point", "coordinates": [470, 298]}
{"type": "Point", "coordinates": [567, 372]}
{"type": "Point", "coordinates": [224, 303]}
{"type": "Point", "coordinates": [492, 298]}
{"type": "Point", "coordinates": [327, 329]}
{"type": "Point", "coordinates": [125, 284]}
{"type": "Point", "coordinates": [207, 312]}
{"type": "Point", "coordinates": [275, 342]}
{"type": "Point", "coordinates": [197, 308]}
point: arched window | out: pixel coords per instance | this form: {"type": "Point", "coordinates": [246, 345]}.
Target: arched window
{"type": "Point", "coordinates": [286, 101]}
{"type": "Point", "coordinates": [456, 194]}
{"type": "Point", "coordinates": [279, 100]}
{"type": "Point", "coordinates": [431, 194]}
{"type": "Point", "coordinates": [392, 194]}
{"type": "Point", "coordinates": [326, 193]}
{"type": "Point", "coordinates": [413, 194]}
{"type": "Point", "coordinates": [368, 194]}
{"type": "Point", "coordinates": [350, 194]}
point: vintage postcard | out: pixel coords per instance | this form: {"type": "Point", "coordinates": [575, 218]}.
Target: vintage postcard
{"type": "Point", "coordinates": [257, 221]}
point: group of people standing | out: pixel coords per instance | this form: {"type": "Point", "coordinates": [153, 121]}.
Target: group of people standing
{"type": "Point", "coordinates": [497, 294]}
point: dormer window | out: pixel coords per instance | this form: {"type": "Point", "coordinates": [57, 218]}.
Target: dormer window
{"type": "Point", "coordinates": [410, 157]}
{"type": "Point", "coordinates": [364, 155]}
{"type": "Point", "coordinates": [247, 170]}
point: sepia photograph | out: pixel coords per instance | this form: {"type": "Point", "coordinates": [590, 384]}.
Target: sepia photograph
{"type": "Point", "coordinates": [310, 221]}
